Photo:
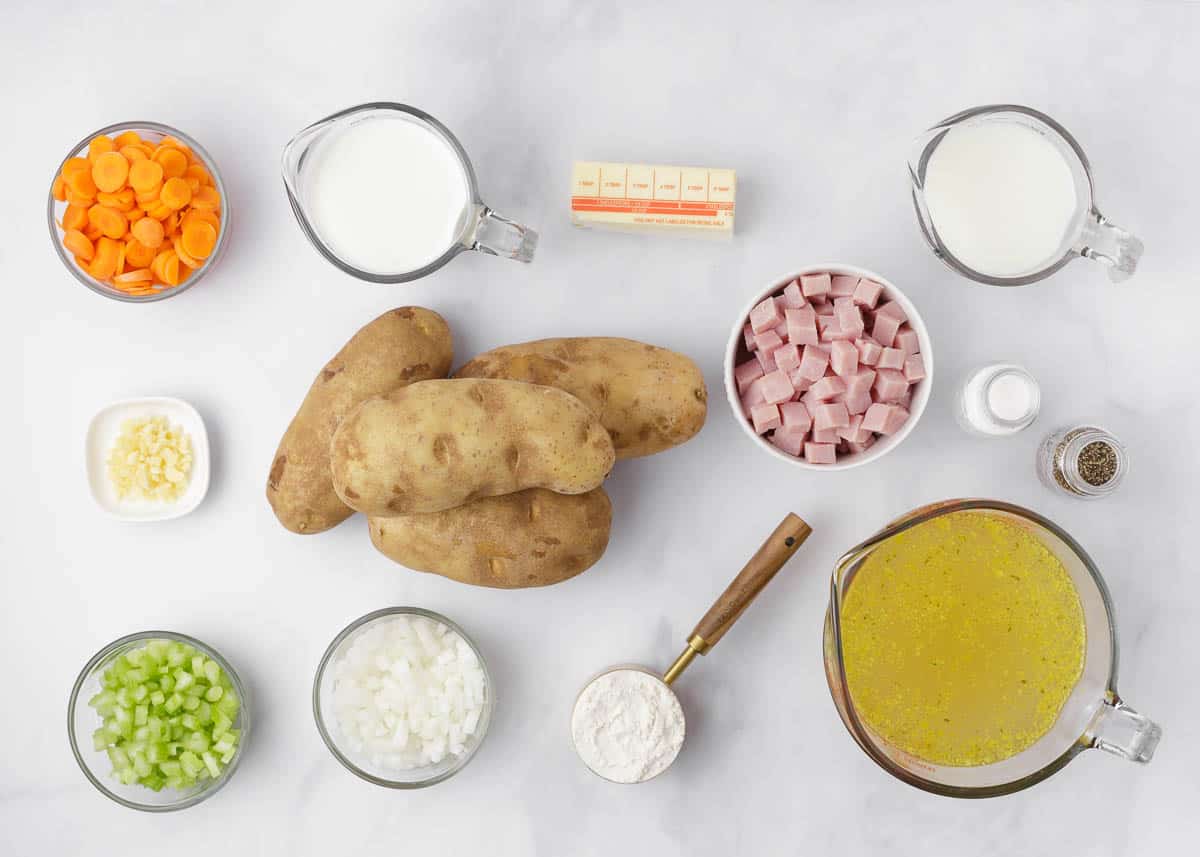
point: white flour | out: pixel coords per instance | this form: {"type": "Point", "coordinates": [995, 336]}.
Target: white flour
{"type": "Point", "coordinates": [627, 726]}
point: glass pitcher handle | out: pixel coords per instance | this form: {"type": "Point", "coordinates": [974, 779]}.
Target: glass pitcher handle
{"type": "Point", "coordinates": [498, 236]}
{"type": "Point", "coordinates": [1120, 730]}
{"type": "Point", "coordinates": [1111, 245]}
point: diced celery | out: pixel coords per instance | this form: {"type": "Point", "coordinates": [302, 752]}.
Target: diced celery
{"type": "Point", "coordinates": [191, 703]}
{"type": "Point", "coordinates": [197, 664]}
{"type": "Point", "coordinates": [214, 693]}
{"type": "Point", "coordinates": [210, 762]}
{"type": "Point", "coordinates": [183, 680]}
{"type": "Point", "coordinates": [100, 739]}
{"type": "Point", "coordinates": [140, 715]}
{"type": "Point", "coordinates": [157, 697]}
{"type": "Point", "coordinates": [212, 671]}
{"type": "Point", "coordinates": [173, 703]}
{"type": "Point", "coordinates": [166, 684]}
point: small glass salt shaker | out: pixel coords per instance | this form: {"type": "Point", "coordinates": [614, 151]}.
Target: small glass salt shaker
{"type": "Point", "coordinates": [998, 400]}
{"type": "Point", "coordinates": [1082, 461]}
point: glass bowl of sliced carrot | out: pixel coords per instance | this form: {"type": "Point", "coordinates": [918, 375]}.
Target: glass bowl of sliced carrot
{"type": "Point", "coordinates": [138, 212]}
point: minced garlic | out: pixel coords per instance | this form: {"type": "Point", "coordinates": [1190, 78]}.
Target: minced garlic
{"type": "Point", "coordinates": [150, 460]}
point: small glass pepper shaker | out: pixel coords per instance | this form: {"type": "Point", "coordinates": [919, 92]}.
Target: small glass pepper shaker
{"type": "Point", "coordinates": [1082, 461]}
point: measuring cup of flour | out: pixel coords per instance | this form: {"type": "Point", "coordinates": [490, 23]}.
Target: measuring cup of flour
{"type": "Point", "coordinates": [386, 192]}
{"type": "Point", "coordinates": [1004, 196]}
{"type": "Point", "coordinates": [627, 724]}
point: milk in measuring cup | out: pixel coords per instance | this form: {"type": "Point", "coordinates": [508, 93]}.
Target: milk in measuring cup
{"type": "Point", "coordinates": [386, 195]}
{"type": "Point", "coordinates": [1001, 197]}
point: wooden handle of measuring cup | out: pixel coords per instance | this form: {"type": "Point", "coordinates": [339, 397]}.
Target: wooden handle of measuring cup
{"type": "Point", "coordinates": [775, 551]}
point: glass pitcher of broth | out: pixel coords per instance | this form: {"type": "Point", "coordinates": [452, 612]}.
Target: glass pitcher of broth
{"type": "Point", "coordinates": [1092, 714]}
{"type": "Point", "coordinates": [1004, 196]}
{"type": "Point", "coordinates": [386, 193]}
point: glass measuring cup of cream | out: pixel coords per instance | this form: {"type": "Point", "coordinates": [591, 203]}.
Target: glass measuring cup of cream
{"type": "Point", "coordinates": [1027, 678]}
{"type": "Point", "coordinates": [1004, 196]}
{"type": "Point", "coordinates": [386, 192]}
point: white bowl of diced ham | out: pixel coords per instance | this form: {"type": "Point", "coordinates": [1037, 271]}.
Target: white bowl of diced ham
{"type": "Point", "coordinates": [829, 368]}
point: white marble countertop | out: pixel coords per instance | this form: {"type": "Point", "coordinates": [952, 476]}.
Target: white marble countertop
{"type": "Point", "coordinates": [815, 106]}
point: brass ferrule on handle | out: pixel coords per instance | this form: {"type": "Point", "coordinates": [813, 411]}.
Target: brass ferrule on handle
{"type": "Point", "coordinates": [754, 576]}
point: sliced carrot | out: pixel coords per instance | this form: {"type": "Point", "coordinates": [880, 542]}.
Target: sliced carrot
{"type": "Point", "coordinates": [158, 211]}
{"type": "Point", "coordinates": [206, 198]}
{"type": "Point", "coordinates": [92, 231]}
{"type": "Point", "coordinates": [79, 244]}
{"type": "Point", "coordinates": [109, 221]}
{"type": "Point", "coordinates": [134, 215]}
{"type": "Point", "coordinates": [120, 268]}
{"type": "Point", "coordinates": [126, 138]}
{"type": "Point", "coordinates": [109, 171]}
{"type": "Point", "coordinates": [75, 165]}
{"type": "Point", "coordinates": [182, 253]}
{"type": "Point", "coordinates": [137, 254]}
{"type": "Point", "coordinates": [122, 200]}
{"type": "Point", "coordinates": [166, 266]}
{"type": "Point", "coordinates": [81, 183]}
{"type": "Point", "coordinates": [199, 215]}
{"type": "Point", "coordinates": [136, 276]}
{"type": "Point", "coordinates": [171, 224]}
{"type": "Point", "coordinates": [197, 171]}
{"type": "Point", "coordinates": [199, 239]}
{"type": "Point", "coordinates": [173, 162]}
{"type": "Point", "coordinates": [99, 146]}
{"type": "Point", "coordinates": [58, 189]}
{"type": "Point", "coordinates": [133, 153]}
{"type": "Point", "coordinates": [145, 175]}
{"type": "Point", "coordinates": [76, 199]}
{"type": "Point", "coordinates": [75, 216]}
{"type": "Point", "coordinates": [175, 193]}
{"type": "Point", "coordinates": [104, 265]}
{"type": "Point", "coordinates": [169, 142]}
{"type": "Point", "coordinates": [149, 231]}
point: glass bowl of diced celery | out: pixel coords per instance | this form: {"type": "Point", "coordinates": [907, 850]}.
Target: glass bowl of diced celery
{"type": "Point", "coordinates": [158, 721]}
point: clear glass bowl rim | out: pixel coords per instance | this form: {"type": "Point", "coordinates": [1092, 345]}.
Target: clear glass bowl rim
{"type": "Point", "coordinates": [485, 719]}
{"type": "Point", "coordinates": [209, 163]}
{"type": "Point", "coordinates": [105, 654]}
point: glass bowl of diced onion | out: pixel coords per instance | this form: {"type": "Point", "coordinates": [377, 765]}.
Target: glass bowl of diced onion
{"type": "Point", "coordinates": [380, 725]}
{"type": "Point", "coordinates": [170, 770]}
{"type": "Point", "coordinates": [153, 133]}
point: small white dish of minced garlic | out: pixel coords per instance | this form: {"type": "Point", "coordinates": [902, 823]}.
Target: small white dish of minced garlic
{"type": "Point", "coordinates": [147, 459]}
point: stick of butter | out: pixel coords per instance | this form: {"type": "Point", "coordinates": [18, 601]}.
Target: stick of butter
{"type": "Point", "coordinates": [653, 198]}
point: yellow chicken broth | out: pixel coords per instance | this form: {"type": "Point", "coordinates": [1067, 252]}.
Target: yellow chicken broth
{"type": "Point", "coordinates": [962, 638]}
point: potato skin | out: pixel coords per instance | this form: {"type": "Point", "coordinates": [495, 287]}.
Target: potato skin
{"type": "Point", "coordinates": [401, 346]}
{"type": "Point", "coordinates": [531, 538]}
{"type": "Point", "coordinates": [434, 445]}
{"type": "Point", "coordinates": [649, 398]}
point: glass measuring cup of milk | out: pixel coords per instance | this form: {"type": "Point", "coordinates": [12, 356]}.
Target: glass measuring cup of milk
{"type": "Point", "coordinates": [1004, 196]}
{"type": "Point", "coordinates": [1093, 716]}
{"type": "Point", "coordinates": [386, 192]}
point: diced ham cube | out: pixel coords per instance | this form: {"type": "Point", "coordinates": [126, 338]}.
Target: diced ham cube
{"type": "Point", "coordinates": [860, 382]}
{"type": "Point", "coordinates": [789, 440]}
{"type": "Point", "coordinates": [814, 285]}
{"type": "Point", "coordinates": [813, 362]}
{"type": "Point", "coordinates": [799, 382]}
{"type": "Point", "coordinates": [765, 316]}
{"type": "Point", "coordinates": [825, 435]}
{"type": "Point", "coordinates": [776, 387]}
{"type": "Point", "coordinates": [896, 418]}
{"type": "Point", "coordinates": [792, 296]}
{"type": "Point", "coordinates": [754, 394]}
{"type": "Point", "coordinates": [914, 369]}
{"type": "Point", "coordinates": [854, 432]}
{"type": "Point", "coordinates": [816, 301]}
{"type": "Point", "coordinates": [795, 416]}
{"type": "Point", "coordinates": [768, 341]}
{"type": "Point", "coordinates": [893, 309]}
{"type": "Point", "coordinates": [802, 326]}
{"type": "Point", "coordinates": [858, 401]}
{"type": "Point", "coordinates": [832, 332]}
{"type": "Point", "coordinates": [884, 329]}
{"type": "Point", "coordinates": [746, 373]}
{"type": "Point", "coordinates": [820, 453]}
{"type": "Point", "coordinates": [787, 357]}
{"type": "Point", "coordinates": [890, 385]}
{"type": "Point", "coordinates": [907, 340]}
{"type": "Point", "coordinates": [891, 358]}
{"type": "Point", "coordinates": [781, 330]}
{"type": "Point", "coordinates": [868, 351]}
{"type": "Point", "coordinates": [833, 415]}
{"type": "Point", "coordinates": [748, 335]}
{"type": "Point", "coordinates": [766, 359]}
{"type": "Point", "coordinates": [864, 446]}
{"type": "Point", "coordinates": [765, 417]}
{"type": "Point", "coordinates": [828, 387]}
{"type": "Point", "coordinates": [876, 417]}
{"type": "Point", "coordinates": [823, 308]}
{"type": "Point", "coordinates": [842, 285]}
{"type": "Point", "coordinates": [843, 357]}
{"type": "Point", "coordinates": [867, 293]}
{"type": "Point", "coordinates": [849, 316]}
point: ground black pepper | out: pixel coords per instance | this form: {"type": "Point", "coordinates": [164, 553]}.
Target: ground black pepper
{"type": "Point", "coordinates": [1097, 463]}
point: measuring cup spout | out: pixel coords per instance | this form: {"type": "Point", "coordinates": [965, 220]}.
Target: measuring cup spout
{"type": "Point", "coordinates": [1120, 730]}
